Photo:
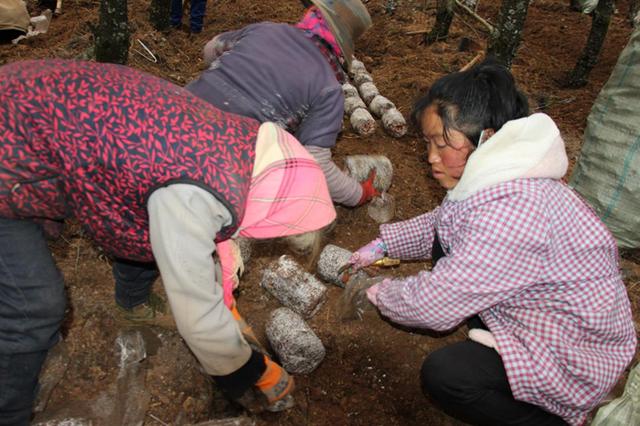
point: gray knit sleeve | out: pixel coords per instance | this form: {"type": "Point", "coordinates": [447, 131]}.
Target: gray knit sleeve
{"type": "Point", "coordinates": [343, 188]}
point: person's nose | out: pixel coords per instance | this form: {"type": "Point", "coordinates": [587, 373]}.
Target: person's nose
{"type": "Point", "coordinates": [433, 156]}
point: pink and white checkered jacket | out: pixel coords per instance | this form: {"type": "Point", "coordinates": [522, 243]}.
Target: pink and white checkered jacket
{"type": "Point", "coordinates": [534, 261]}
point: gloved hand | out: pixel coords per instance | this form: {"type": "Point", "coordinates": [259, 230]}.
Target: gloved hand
{"type": "Point", "coordinates": [277, 386]}
{"type": "Point", "coordinates": [232, 266]}
{"type": "Point", "coordinates": [247, 331]}
{"type": "Point", "coordinates": [368, 254]}
{"type": "Point", "coordinates": [368, 190]}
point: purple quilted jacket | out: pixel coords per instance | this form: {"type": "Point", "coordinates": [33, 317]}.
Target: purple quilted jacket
{"type": "Point", "coordinates": [92, 141]}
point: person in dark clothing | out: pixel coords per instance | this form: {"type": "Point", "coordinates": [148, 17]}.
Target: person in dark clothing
{"type": "Point", "coordinates": [292, 75]}
{"type": "Point", "coordinates": [196, 15]}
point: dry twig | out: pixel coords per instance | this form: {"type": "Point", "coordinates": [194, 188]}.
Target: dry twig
{"type": "Point", "coordinates": [479, 18]}
{"type": "Point", "coordinates": [157, 419]}
{"type": "Point", "coordinates": [474, 61]}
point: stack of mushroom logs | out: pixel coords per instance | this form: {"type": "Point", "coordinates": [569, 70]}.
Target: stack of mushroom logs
{"type": "Point", "coordinates": [367, 94]}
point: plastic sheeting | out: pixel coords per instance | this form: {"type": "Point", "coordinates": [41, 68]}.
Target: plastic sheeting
{"type": "Point", "coordinates": [623, 411]}
{"type": "Point", "coordinates": [607, 173]}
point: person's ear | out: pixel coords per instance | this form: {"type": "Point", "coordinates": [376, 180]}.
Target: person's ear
{"type": "Point", "coordinates": [488, 133]}
{"type": "Point", "coordinates": [485, 135]}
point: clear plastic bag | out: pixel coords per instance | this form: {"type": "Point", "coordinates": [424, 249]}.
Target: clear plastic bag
{"type": "Point", "coordinates": [623, 411]}
{"type": "Point", "coordinates": [354, 302]}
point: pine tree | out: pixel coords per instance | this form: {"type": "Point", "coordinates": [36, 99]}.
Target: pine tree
{"type": "Point", "coordinates": [505, 39]}
{"type": "Point", "coordinates": [159, 11]}
{"type": "Point", "coordinates": [112, 34]}
{"type": "Point", "coordinates": [600, 19]}
{"type": "Point", "coordinates": [444, 16]}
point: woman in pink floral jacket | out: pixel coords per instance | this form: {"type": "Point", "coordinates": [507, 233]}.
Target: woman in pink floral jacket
{"type": "Point", "coordinates": [517, 254]}
{"type": "Point", "coordinates": [161, 181]}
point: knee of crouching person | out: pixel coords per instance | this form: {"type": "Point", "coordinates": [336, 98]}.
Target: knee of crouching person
{"type": "Point", "coordinates": [433, 377]}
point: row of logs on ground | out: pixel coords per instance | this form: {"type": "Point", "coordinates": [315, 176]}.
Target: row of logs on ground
{"type": "Point", "coordinates": [362, 98]}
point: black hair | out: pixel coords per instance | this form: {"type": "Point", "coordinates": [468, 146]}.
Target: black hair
{"type": "Point", "coordinates": [483, 97]}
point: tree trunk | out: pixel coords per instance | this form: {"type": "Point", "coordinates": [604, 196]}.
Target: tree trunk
{"type": "Point", "coordinates": [159, 11]}
{"type": "Point", "coordinates": [444, 16]}
{"type": "Point", "coordinates": [506, 36]}
{"type": "Point", "coordinates": [599, 25]}
{"type": "Point", "coordinates": [634, 11]}
{"type": "Point", "coordinates": [112, 34]}
{"type": "Point", "coordinates": [575, 5]}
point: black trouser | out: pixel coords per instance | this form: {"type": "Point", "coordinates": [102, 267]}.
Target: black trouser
{"type": "Point", "coordinates": [32, 305]}
{"type": "Point", "coordinates": [468, 381]}
{"type": "Point", "coordinates": [134, 282]}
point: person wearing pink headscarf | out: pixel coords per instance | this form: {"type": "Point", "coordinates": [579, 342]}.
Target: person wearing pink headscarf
{"type": "Point", "coordinates": [292, 75]}
{"type": "Point", "coordinates": [160, 180]}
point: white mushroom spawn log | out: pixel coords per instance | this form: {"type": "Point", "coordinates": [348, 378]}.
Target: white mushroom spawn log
{"type": "Point", "coordinates": [246, 247]}
{"type": "Point", "coordinates": [359, 166]}
{"type": "Point", "coordinates": [299, 349]}
{"type": "Point", "coordinates": [394, 123]}
{"type": "Point", "coordinates": [368, 91]}
{"type": "Point", "coordinates": [349, 91]}
{"type": "Point", "coordinates": [362, 122]}
{"type": "Point", "coordinates": [293, 287]}
{"type": "Point", "coordinates": [361, 78]}
{"type": "Point", "coordinates": [379, 105]}
{"type": "Point", "coordinates": [331, 259]}
{"type": "Point", "coordinates": [353, 103]}
{"type": "Point", "coordinates": [356, 67]}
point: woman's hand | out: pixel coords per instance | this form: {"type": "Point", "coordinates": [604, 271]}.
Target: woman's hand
{"type": "Point", "coordinates": [232, 267]}
{"type": "Point", "coordinates": [368, 254]}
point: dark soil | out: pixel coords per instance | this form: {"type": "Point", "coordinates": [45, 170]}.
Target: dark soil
{"type": "Point", "coordinates": [370, 374]}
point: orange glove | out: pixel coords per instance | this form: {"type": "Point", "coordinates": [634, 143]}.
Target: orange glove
{"type": "Point", "coordinates": [277, 386]}
{"type": "Point", "coordinates": [368, 190]}
{"type": "Point", "coordinates": [247, 331]}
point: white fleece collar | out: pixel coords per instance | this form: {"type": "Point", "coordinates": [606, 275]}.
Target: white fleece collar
{"type": "Point", "coordinates": [529, 147]}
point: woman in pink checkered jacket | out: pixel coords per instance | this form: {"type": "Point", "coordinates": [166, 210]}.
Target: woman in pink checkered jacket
{"type": "Point", "coordinates": [517, 254]}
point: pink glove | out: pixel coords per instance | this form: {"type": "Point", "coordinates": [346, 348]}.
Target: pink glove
{"type": "Point", "coordinates": [231, 265]}
{"type": "Point", "coordinates": [368, 254]}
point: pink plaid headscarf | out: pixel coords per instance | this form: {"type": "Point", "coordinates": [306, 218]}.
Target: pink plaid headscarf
{"type": "Point", "coordinates": [288, 196]}
{"type": "Point", "coordinates": [314, 22]}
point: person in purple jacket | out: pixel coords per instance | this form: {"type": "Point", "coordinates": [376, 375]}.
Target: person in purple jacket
{"type": "Point", "coordinates": [517, 254]}
{"type": "Point", "coordinates": [196, 14]}
{"type": "Point", "coordinates": [292, 75]}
